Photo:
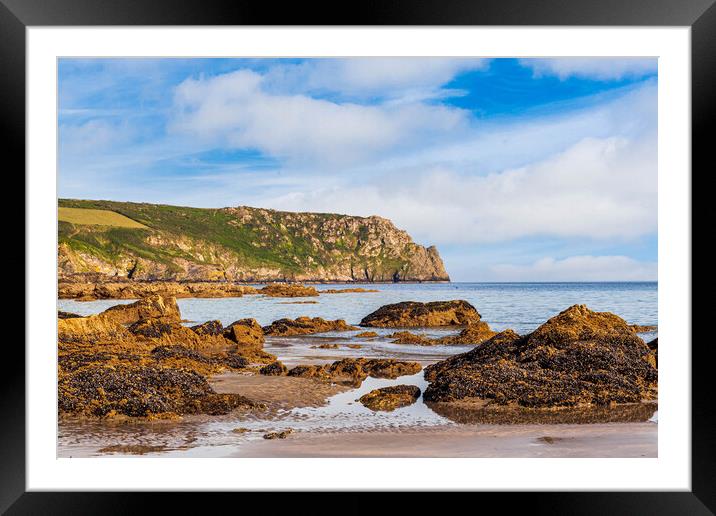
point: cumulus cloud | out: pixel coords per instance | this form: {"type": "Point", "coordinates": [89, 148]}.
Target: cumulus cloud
{"type": "Point", "coordinates": [579, 268]}
{"type": "Point", "coordinates": [599, 68]}
{"type": "Point", "coordinates": [235, 110]}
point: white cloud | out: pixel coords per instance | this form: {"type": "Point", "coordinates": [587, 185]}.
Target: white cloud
{"type": "Point", "coordinates": [599, 68]}
{"type": "Point", "coordinates": [405, 78]}
{"type": "Point", "coordinates": [598, 188]}
{"type": "Point", "coordinates": [579, 268]}
{"type": "Point", "coordinates": [235, 110]}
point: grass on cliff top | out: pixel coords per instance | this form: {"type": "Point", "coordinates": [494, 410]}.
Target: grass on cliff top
{"type": "Point", "coordinates": [86, 216]}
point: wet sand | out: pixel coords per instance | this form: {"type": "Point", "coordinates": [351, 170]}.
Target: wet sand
{"type": "Point", "coordinates": [280, 392]}
{"type": "Point", "coordinates": [616, 440]}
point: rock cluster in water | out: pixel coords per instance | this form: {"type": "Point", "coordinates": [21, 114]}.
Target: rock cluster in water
{"type": "Point", "coordinates": [305, 326]}
{"type": "Point", "coordinates": [578, 357]}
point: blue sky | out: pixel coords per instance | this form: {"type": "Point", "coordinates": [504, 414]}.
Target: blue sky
{"type": "Point", "coordinates": [517, 169]}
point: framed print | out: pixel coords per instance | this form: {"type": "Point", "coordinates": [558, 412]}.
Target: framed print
{"type": "Point", "coordinates": [434, 250]}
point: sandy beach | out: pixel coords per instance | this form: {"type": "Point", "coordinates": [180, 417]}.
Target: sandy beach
{"type": "Point", "coordinates": [524, 441]}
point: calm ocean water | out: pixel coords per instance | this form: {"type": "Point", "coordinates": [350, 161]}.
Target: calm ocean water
{"type": "Point", "coordinates": [520, 306]}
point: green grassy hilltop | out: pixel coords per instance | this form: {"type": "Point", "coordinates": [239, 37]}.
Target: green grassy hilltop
{"type": "Point", "coordinates": [151, 241]}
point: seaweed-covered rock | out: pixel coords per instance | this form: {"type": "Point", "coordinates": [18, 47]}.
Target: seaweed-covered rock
{"type": "Point", "coordinates": [278, 435]}
{"type": "Point", "coordinates": [274, 369]}
{"type": "Point", "coordinates": [209, 328]}
{"type": "Point", "coordinates": [305, 326]}
{"type": "Point", "coordinates": [473, 333]}
{"type": "Point", "coordinates": [654, 346]}
{"type": "Point", "coordinates": [142, 391]}
{"type": "Point", "coordinates": [66, 315]}
{"type": "Point", "coordinates": [366, 335]}
{"type": "Point", "coordinates": [406, 337]}
{"type": "Point", "coordinates": [288, 290]}
{"type": "Point", "coordinates": [246, 332]}
{"type": "Point", "coordinates": [578, 357]}
{"type": "Point", "coordinates": [177, 355]}
{"type": "Point", "coordinates": [150, 328]}
{"type": "Point", "coordinates": [355, 370]}
{"type": "Point", "coordinates": [413, 314]}
{"type": "Point", "coordinates": [391, 398]}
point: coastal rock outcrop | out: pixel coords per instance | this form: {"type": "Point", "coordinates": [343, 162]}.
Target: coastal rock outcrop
{"type": "Point", "coordinates": [413, 314]}
{"type": "Point", "coordinates": [305, 326]}
{"type": "Point", "coordinates": [390, 398]}
{"type": "Point", "coordinates": [87, 287]}
{"type": "Point", "coordinates": [238, 244]}
{"type": "Point", "coordinates": [138, 360]}
{"type": "Point", "coordinates": [578, 357]}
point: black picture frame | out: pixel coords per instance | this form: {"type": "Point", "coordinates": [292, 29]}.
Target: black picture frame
{"type": "Point", "coordinates": [700, 15]}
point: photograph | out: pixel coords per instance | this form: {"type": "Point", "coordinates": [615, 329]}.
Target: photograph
{"type": "Point", "coordinates": [378, 257]}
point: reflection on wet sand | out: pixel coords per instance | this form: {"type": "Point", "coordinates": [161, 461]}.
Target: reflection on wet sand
{"type": "Point", "coordinates": [479, 414]}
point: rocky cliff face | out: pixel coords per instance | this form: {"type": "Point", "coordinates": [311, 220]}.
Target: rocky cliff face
{"type": "Point", "coordinates": [242, 244]}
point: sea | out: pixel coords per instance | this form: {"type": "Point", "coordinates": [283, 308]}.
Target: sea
{"type": "Point", "coordinates": [519, 306]}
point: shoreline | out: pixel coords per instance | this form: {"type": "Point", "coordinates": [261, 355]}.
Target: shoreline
{"type": "Point", "coordinates": [607, 440]}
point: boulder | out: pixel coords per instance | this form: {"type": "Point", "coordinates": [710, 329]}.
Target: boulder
{"type": "Point", "coordinates": [390, 398]}
{"type": "Point", "coordinates": [274, 369]}
{"type": "Point", "coordinates": [288, 290]}
{"type": "Point", "coordinates": [278, 435]}
{"type": "Point", "coordinates": [245, 332]}
{"type": "Point", "coordinates": [155, 306]}
{"type": "Point", "coordinates": [366, 335]}
{"type": "Point", "coordinates": [305, 326]}
{"type": "Point", "coordinates": [654, 346]}
{"type": "Point", "coordinates": [413, 314]}
{"type": "Point", "coordinates": [578, 357]}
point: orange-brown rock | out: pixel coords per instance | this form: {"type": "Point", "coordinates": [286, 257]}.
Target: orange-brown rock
{"type": "Point", "coordinates": [390, 398]}
{"type": "Point", "coordinates": [151, 307]}
{"type": "Point", "coordinates": [353, 371]}
{"type": "Point", "coordinates": [406, 337]}
{"type": "Point", "coordinates": [305, 326]}
{"type": "Point", "coordinates": [246, 332]}
{"type": "Point", "coordinates": [413, 314]}
{"type": "Point", "coordinates": [578, 357]}
{"type": "Point", "coordinates": [474, 333]}
{"type": "Point", "coordinates": [94, 329]}
{"type": "Point", "coordinates": [288, 290]}
{"type": "Point", "coordinates": [367, 334]}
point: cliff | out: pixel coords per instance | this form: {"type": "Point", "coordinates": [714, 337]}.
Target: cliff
{"type": "Point", "coordinates": [146, 242]}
